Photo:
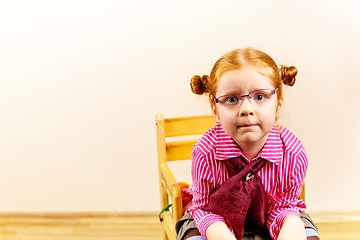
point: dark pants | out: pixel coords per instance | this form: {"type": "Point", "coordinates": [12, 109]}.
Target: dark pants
{"type": "Point", "coordinates": [186, 228]}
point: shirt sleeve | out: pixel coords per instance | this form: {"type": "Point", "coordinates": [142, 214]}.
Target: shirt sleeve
{"type": "Point", "coordinates": [287, 202]}
{"type": "Point", "coordinates": [202, 187]}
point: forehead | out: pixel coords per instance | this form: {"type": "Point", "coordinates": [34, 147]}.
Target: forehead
{"type": "Point", "coordinates": [242, 81]}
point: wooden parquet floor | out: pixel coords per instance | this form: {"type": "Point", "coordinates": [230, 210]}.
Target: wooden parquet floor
{"type": "Point", "coordinates": [79, 227]}
{"type": "Point", "coordinates": [106, 226]}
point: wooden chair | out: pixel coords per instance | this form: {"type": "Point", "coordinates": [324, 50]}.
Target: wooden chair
{"type": "Point", "coordinates": [174, 150]}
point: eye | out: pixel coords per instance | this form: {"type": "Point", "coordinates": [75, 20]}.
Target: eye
{"type": "Point", "coordinates": [231, 99]}
{"type": "Point", "coordinates": [259, 97]}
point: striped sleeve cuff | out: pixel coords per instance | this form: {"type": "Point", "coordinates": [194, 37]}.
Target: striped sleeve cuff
{"type": "Point", "coordinates": [207, 220]}
{"type": "Point", "coordinates": [275, 226]}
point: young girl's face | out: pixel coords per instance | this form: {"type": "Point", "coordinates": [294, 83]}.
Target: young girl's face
{"type": "Point", "coordinates": [248, 122]}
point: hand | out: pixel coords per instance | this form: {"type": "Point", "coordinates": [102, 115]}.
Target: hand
{"type": "Point", "coordinates": [292, 228]}
{"type": "Point", "coordinates": [219, 231]}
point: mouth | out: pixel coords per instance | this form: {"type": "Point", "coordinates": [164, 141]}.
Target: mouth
{"type": "Point", "coordinates": [245, 126]}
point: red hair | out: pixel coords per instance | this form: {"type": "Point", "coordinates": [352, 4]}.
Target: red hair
{"type": "Point", "coordinates": [238, 59]}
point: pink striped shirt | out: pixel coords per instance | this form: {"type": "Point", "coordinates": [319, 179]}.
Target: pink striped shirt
{"type": "Point", "coordinates": [282, 176]}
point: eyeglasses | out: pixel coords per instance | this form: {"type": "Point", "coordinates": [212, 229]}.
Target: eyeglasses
{"type": "Point", "coordinates": [258, 96]}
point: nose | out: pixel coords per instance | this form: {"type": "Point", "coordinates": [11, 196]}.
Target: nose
{"type": "Point", "coordinates": [246, 108]}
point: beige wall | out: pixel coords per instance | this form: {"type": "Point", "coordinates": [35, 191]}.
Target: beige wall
{"type": "Point", "coordinates": [81, 81]}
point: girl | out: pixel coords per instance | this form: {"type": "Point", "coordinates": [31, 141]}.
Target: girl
{"type": "Point", "coordinates": [245, 90]}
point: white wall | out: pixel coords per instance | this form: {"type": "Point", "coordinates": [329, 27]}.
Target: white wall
{"type": "Point", "coordinates": [81, 81]}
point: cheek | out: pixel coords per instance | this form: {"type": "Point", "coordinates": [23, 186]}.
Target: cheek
{"type": "Point", "coordinates": [270, 114]}
{"type": "Point", "coordinates": [227, 120]}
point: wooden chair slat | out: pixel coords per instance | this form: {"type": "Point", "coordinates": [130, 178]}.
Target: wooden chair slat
{"type": "Point", "coordinates": [180, 150]}
{"type": "Point", "coordinates": [188, 125]}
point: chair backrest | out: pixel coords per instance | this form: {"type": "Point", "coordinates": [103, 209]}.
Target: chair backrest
{"type": "Point", "coordinates": [177, 136]}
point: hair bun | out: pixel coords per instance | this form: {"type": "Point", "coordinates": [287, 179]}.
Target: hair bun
{"type": "Point", "coordinates": [199, 85]}
{"type": "Point", "coordinates": [288, 74]}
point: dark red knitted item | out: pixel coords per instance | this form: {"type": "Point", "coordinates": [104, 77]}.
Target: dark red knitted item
{"type": "Point", "coordinates": [241, 199]}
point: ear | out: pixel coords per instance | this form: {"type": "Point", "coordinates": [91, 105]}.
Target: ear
{"type": "Point", "coordinates": [215, 113]}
